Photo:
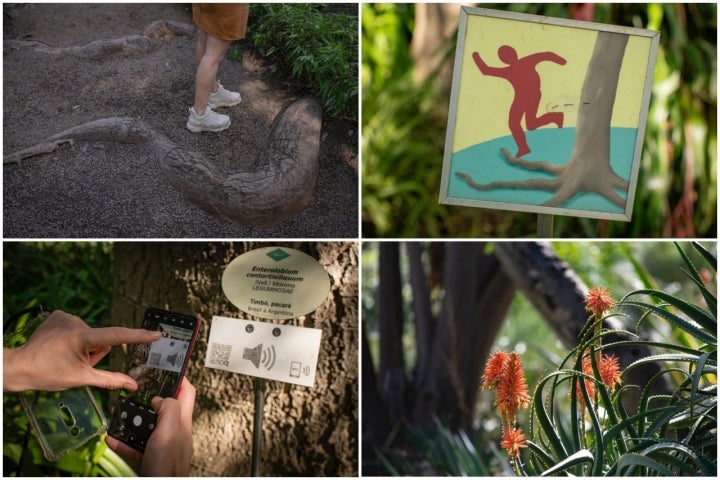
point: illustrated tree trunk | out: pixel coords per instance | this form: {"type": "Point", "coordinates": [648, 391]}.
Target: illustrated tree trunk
{"type": "Point", "coordinates": [588, 169]}
{"type": "Point", "coordinates": [306, 431]}
{"type": "Point", "coordinates": [559, 295]}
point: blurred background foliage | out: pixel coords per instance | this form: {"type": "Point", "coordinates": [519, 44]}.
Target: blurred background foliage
{"type": "Point", "coordinates": [405, 118]}
{"type": "Point", "coordinates": [76, 277]}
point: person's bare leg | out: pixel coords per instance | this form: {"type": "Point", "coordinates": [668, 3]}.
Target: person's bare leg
{"type": "Point", "coordinates": [200, 49]}
{"type": "Point", "coordinates": [206, 77]}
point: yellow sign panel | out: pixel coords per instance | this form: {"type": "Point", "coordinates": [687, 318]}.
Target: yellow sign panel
{"type": "Point", "coordinates": [547, 115]}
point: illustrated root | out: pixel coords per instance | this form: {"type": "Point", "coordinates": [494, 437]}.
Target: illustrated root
{"type": "Point", "coordinates": [570, 179]}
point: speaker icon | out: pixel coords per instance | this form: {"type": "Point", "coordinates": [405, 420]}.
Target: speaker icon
{"type": "Point", "coordinates": [259, 355]}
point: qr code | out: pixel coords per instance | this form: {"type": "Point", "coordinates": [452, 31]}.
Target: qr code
{"type": "Point", "coordinates": [220, 354]}
{"type": "Point", "coordinates": [154, 360]}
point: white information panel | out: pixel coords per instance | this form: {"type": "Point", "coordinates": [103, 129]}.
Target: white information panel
{"type": "Point", "coordinates": [261, 349]}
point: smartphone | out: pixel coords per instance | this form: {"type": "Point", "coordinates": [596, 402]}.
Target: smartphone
{"type": "Point", "coordinates": [158, 368]}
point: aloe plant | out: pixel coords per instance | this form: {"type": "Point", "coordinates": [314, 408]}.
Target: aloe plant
{"type": "Point", "coordinates": [671, 434]}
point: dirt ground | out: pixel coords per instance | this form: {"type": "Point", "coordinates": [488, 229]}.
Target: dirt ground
{"type": "Point", "coordinates": [110, 190]}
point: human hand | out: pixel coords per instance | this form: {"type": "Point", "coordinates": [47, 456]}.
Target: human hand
{"type": "Point", "coordinates": [62, 352]}
{"type": "Point", "coordinates": [169, 449]}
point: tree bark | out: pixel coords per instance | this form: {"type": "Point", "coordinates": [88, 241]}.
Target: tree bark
{"type": "Point", "coordinates": [477, 296]}
{"type": "Point", "coordinates": [391, 320]}
{"type": "Point", "coordinates": [433, 40]}
{"type": "Point", "coordinates": [306, 431]}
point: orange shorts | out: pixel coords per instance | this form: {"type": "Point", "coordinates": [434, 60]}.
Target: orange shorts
{"type": "Point", "coordinates": [227, 21]}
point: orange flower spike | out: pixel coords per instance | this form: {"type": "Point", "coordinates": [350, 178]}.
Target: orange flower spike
{"type": "Point", "coordinates": [609, 368]}
{"type": "Point", "coordinates": [513, 440]}
{"type": "Point", "coordinates": [598, 300]}
{"type": "Point", "coordinates": [512, 391]}
{"type": "Point", "coordinates": [589, 384]}
{"type": "Point", "coordinates": [494, 369]}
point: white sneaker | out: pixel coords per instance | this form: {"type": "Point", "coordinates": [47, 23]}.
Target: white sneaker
{"type": "Point", "coordinates": [210, 122]}
{"type": "Point", "coordinates": [223, 98]}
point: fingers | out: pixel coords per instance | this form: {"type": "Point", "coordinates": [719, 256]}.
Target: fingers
{"type": "Point", "coordinates": [186, 397]}
{"type": "Point", "coordinates": [110, 336]}
{"type": "Point", "coordinates": [96, 355]}
{"type": "Point", "coordinates": [109, 380]}
{"type": "Point", "coordinates": [123, 450]}
{"type": "Point", "coordinates": [185, 402]}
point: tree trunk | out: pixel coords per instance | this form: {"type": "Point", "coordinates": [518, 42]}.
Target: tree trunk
{"type": "Point", "coordinates": [391, 320]}
{"type": "Point", "coordinates": [306, 431]}
{"type": "Point", "coordinates": [433, 41]}
{"type": "Point", "coordinates": [477, 296]}
{"type": "Point", "coordinates": [425, 323]}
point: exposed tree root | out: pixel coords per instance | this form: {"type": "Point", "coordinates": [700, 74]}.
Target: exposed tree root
{"type": "Point", "coordinates": [279, 182]}
{"type": "Point", "coordinates": [150, 37]}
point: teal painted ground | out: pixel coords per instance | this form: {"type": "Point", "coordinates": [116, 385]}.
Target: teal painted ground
{"type": "Point", "coordinates": [486, 164]}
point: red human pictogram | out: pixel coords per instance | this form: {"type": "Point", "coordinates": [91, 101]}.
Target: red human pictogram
{"type": "Point", "coordinates": [525, 80]}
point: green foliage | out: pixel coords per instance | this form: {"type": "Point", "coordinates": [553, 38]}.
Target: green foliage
{"type": "Point", "coordinates": [670, 434]}
{"type": "Point", "coordinates": [404, 125]}
{"type": "Point", "coordinates": [679, 164]}
{"type": "Point", "coordinates": [314, 47]}
{"type": "Point", "coordinates": [402, 155]}
{"type": "Point", "coordinates": [75, 277]}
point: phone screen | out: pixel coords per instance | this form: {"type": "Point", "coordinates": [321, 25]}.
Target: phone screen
{"type": "Point", "coordinates": [158, 367]}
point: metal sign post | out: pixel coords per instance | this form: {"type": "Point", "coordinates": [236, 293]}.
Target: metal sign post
{"type": "Point", "coordinates": [278, 284]}
{"type": "Point", "coordinates": [545, 226]}
{"type": "Point", "coordinates": [259, 390]}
